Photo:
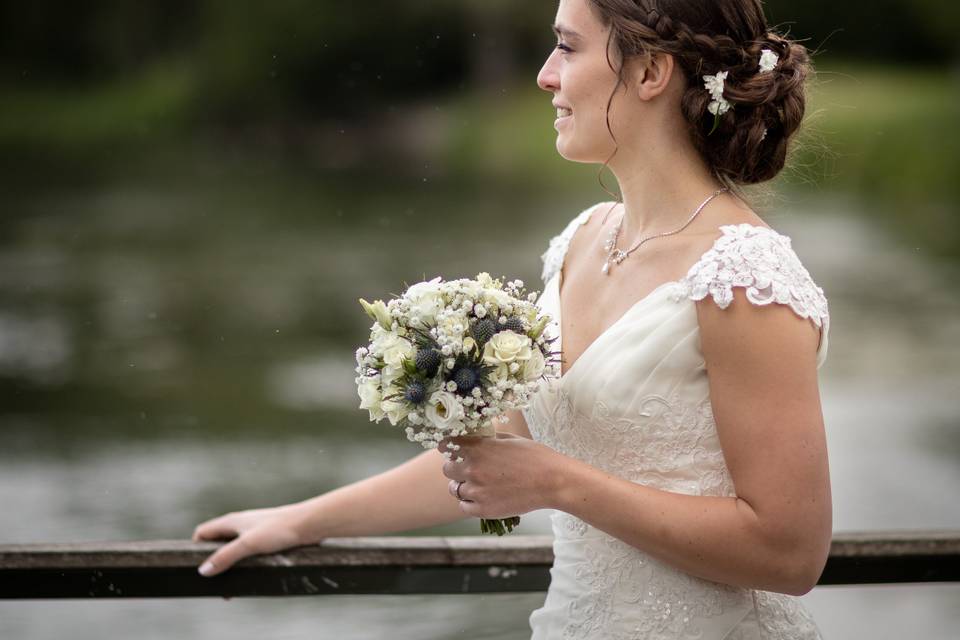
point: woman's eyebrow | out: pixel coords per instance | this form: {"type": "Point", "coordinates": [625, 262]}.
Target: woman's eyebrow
{"type": "Point", "coordinates": [561, 30]}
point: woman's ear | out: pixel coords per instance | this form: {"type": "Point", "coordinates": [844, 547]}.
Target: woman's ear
{"type": "Point", "coordinates": [651, 74]}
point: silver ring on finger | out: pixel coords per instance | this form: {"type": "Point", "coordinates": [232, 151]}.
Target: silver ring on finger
{"type": "Point", "coordinates": [459, 484]}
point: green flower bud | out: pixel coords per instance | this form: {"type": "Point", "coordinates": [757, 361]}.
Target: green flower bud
{"type": "Point", "coordinates": [378, 311]}
{"type": "Point", "coordinates": [538, 327]}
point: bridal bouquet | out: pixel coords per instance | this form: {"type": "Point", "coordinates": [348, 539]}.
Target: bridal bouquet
{"type": "Point", "coordinates": [447, 358]}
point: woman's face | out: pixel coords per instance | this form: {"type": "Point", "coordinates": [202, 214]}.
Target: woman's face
{"type": "Point", "coordinates": [580, 78]}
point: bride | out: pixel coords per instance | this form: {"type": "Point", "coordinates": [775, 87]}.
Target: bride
{"type": "Point", "coordinates": [682, 448]}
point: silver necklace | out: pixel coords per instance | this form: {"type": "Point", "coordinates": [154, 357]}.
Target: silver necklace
{"type": "Point", "coordinates": [617, 256]}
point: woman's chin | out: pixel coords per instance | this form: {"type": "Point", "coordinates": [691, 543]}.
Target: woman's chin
{"type": "Point", "coordinates": [575, 155]}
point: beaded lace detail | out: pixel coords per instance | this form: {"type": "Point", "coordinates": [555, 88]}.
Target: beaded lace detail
{"type": "Point", "coordinates": [671, 446]}
{"type": "Point", "coordinates": [754, 257]}
{"type": "Point", "coordinates": [662, 433]}
{"type": "Point", "coordinates": [764, 263]}
{"type": "Point", "coordinates": [654, 446]}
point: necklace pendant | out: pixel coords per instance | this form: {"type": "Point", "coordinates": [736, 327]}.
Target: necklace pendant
{"type": "Point", "coordinates": [606, 268]}
{"type": "Point", "coordinates": [618, 256]}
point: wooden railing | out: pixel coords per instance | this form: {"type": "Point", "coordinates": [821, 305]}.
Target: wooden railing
{"type": "Point", "coordinates": [395, 565]}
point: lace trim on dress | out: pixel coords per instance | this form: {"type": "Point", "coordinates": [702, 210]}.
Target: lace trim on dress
{"type": "Point", "coordinates": [660, 602]}
{"type": "Point", "coordinates": [553, 257]}
{"type": "Point", "coordinates": [673, 446]}
{"type": "Point", "coordinates": [763, 262]}
{"type": "Point", "coordinates": [754, 257]}
{"type": "Point", "coordinates": [665, 443]}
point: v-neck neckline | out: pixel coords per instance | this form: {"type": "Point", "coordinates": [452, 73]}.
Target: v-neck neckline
{"type": "Point", "coordinates": [558, 277]}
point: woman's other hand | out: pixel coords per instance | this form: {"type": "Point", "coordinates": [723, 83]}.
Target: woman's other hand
{"type": "Point", "coordinates": [504, 476]}
{"type": "Point", "coordinates": [253, 532]}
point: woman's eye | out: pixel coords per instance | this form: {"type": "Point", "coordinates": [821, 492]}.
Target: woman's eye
{"type": "Point", "coordinates": [563, 47]}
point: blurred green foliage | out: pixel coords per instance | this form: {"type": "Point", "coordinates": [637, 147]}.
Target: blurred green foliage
{"type": "Point", "coordinates": [185, 182]}
{"type": "Point", "coordinates": [434, 87]}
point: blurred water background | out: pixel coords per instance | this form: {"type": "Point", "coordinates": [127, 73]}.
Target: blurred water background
{"type": "Point", "coordinates": [195, 194]}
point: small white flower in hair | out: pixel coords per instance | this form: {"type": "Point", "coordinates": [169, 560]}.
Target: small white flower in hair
{"type": "Point", "coordinates": [718, 105]}
{"type": "Point", "coordinates": [768, 60]}
{"type": "Point", "coordinates": [714, 84]}
{"type": "Point", "coordinates": [764, 134]}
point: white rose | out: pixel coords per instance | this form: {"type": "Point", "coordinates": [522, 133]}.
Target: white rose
{"type": "Point", "coordinates": [533, 368]}
{"type": "Point", "coordinates": [506, 347]}
{"type": "Point", "coordinates": [369, 392]}
{"type": "Point", "coordinates": [444, 411]}
{"type": "Point", "coordinates": [394, 349]}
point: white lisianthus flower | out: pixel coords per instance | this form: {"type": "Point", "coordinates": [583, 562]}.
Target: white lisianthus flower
{"type": "Point", "coordinates": [377, 311]}
{"type": "Point", "coordinates": [396, 409]}
{"type": "Point", "coordinates": [369, 391]}
{"type": "Point", "coordinates": [444, 411]}
{"type": "Point", "coordinates": [768, 60]}
{"type": "Point", "coordinates": [497, 298]}
{"type": "Point", "coordinates": [426, 299]}
{"type": "Point", "coordinates": [506, 347]}
{"type": "Point", "coordinates": [534, 366]}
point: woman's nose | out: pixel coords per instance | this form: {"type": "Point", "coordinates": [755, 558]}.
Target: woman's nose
{"type": "Point", "coordinates": [547, 79]}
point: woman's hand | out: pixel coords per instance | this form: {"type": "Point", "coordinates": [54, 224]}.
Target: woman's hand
{"type": "Point", "coordinates": [504, 476]}
{"type": "Point", "coordinates": [255, 531]}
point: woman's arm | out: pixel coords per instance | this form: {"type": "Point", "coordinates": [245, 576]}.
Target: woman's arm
{"type": "Point", "coordinates": [775, 534]}
{"type": "Point", "coordinates": [411, 496]}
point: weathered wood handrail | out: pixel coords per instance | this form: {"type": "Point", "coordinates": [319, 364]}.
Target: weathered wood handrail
{"type": "Point", "coordinates": [396, 565]}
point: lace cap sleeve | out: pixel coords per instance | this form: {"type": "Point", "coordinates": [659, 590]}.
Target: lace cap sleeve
{"type": "Point", "coordinates": [763, 262]}
{"type": "Point", "coordinates": [553, 257]}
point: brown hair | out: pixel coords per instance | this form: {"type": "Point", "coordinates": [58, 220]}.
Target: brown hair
{"type": "Point", "coordinates": [704, 38]}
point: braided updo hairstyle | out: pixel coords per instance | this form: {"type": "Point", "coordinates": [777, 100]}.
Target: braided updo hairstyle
{"type": "Point", "coordinates": [749, 144]}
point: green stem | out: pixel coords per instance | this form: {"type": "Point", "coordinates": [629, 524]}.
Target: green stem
{"type": "Point", "coordinates": [499, 526]}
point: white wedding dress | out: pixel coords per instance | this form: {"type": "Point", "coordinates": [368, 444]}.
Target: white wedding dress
{"type": "Point", "coordinates": [636, 404]}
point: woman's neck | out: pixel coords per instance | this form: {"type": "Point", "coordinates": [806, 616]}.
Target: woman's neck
{"type": "Point", "coordinates": [661, 191]}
